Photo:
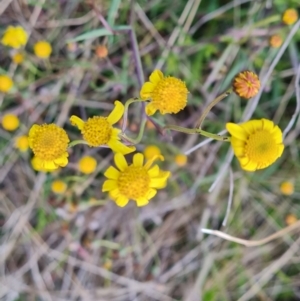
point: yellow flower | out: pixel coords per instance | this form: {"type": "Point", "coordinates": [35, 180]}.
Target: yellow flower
{"type": "Point", "coordinates": [98, 131]}
{"type": "Point", "coordinates": [151, 151]}
{"type": "Point", "coordinates": [181, 160]}
{"type": "Point", "coordinates": [137, 181]}
{"type": "Point", "coordinates": [287, 188]}
{"type": "Point", "coordinates": [5, 83]}
{"type": "Point", "coordinates": [87, 164]}
{"type": "Point", "coordinates": [275, 41]}
{"type": "Point", "coordinates": [22, 143]}
{"type": "Point", "coordinates": [35, 163]}
{"type": "Point", "coordinates": [291, 219]}
{"type": "Point", "coordinates": [168, 94]}
{"type": "Point", "coordinates": [18, 58]}
{"type": "Point", "coordinates": [10, 122]}
{"type": "Point", "coordinates": [58, 186]}
{"type": "Point", "coordinates": [290, 16]}
{"type": "Point", "coordinates": [49, 144]}
{"type": "Point", "coordinates": [256, 143]}
{"type": "Point", "coordinates": [14, 37]}
{"type": "Point", "coordinates": [42, 49]}
{"type": "Point", "coordinates": [246, 84]}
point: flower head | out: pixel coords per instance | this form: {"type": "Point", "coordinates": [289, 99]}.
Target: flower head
{"type": "Point", "coordinates": [58, 187]}
{"type": "Point", "coordinates": [275, 41]}
{"type": "Point", "coordinates": [98, 131]}
{"type": "Point", "coordinates": [168, 94]}
{"type": "Point", "coordinates": [246, 84]}
{"type": "Point", "coordinates": [151, 151]}
{"type": "Point", "coordinates": [49, 144]}
{"type": "Point", "coordinates": [290, 16]}
{"type": "Point", "coordinates": [22, 143]}
{"type": "Point", "coordinates": [10, 122]}
{"type": "Point", "coordinates": [291, 219]}
{"type": "Point", "coordinates": [87, 164]}
{"type": "Point", "coordinates": [14, 37]}
{"type": "Point", "coordinates": [181, 160]}
{"type": "Point", "coordinates": [6, 83]}
{"type": "Point", "coordinates": [18, 58]}
{"type": "Point", "coordinates": [42, 49]}
{"type": "Point", "coordinates": [101, 51]}
{"type": "Point", "coordinates": [256, 143]}
{"type": "Point", "coordinates": [137, 181]}
{"type": "Point", "coordinates": [287, 188]}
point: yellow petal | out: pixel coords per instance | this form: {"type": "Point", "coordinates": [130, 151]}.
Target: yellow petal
{"type": "Point", "coordinates": [151, 193]}
{"type": "Point", "coordinates": [158, 183]}
{"type": "Point", "coordinates": [164, 174]}
{"type": "Point", "coordinates": [62, 160]}
{"type": "Point", "coordinates": [150, 109]}
{"type": "Point", "coordinates": [280, 150]}
{"type": "Point", "coordinates": [76, 121]}
{"type": "Point", "coordinates": [156, 76]}
{"type": "Point", "coordinates": [142, 202]}
{"type": "Point", "coordinates": [112, 173]}
{"type": "Point", "coordinates": [277, 135]}
{"type": "Point", "coordinates": [109, 185]}
{"type": "Point", "coordinates": [150, 161]}
{"type": "Point", "coordinates": [138, 160]}
{"type": "Point", "coordinates": [146, 90]}
{"type": "Point", "coordinates": [49, 165]}
{"type": "Point", "coordinates": [114, 194]}
{"type": "Point", "coordinates": [120, 161]}
{"type": "Point", "coordinates": [236, 131]}
{"type": "Point", "coordinates": [115, 133]}
{"type": "Point", "coordinates": [119, 147]}
{"type": "Point", "coordinates": [250, 166]}
{"type": "Point", "coordinates": [154, 171]}
{"type": "Point", "coordinates": [116, 114]}
{"type": "Point", "coordinates": [252, 126]}
{"type": "Point", "coordinates": [122, 201]}
{"type": "Point", "coordinates": [268, 125]}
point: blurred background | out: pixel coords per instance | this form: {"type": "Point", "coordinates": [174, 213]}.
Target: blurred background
{"type": "Point", "coordinates": [62, 238]}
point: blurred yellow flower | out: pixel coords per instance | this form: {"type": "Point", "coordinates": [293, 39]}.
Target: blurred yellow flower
{"type": "Point", "coordinates": [287, 188]}
{"type": "Point", "coordinates": [137, 181]}
{"type": "Point", "coordinates": [6, 83]}
{"type": "Point", "coordinates": [22, 143]}
{"type": "Point", "coordinates": [98, 131]}
{"type": "Point", "coordinates": [14, 37]}
{"type": "Point", "coordinates": [275, 41]}
{"type": "Point", "coordinates": [18, 58]}
{"type": "Point", "coordinates": [290, 16]}
{"type": "Point", "coordinates": [49, 144]}
{"type": "Point", "coordinates": [42, 49]}
{"type": "Point", "coordinates": [168, 94]}
{"type": "Point", "coordinates": [181, 160]}
{"type": "Point", "coordinates": [291, 219]}
{"type": "Point", "coordinates": [58, 187]}
{"type": "Point", "coordinates": [256, 143]}
{"type": "Point", "coordinates": [87, 164]}
{"type": "Point", "coordinates": [10, 122]}
{"type": "Point", "coordinates": [246, 84]}
{"type": "Point", "coordinates": [151, 151]}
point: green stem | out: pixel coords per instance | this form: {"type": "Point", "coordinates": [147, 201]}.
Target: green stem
{"type": "Point", "coordinates": [211, 105]}
{"type": "Point", "coordinates": [197, 131]}
{"type": "Point", "coordinates": [139, 136]}
{"type": "Point", "coordinates": [125, 115]}
{"type": "Point", "coordinates": [75, 142]}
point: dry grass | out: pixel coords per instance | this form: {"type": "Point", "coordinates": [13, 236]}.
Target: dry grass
{"type": "Point", "coordinates": [71, 248]}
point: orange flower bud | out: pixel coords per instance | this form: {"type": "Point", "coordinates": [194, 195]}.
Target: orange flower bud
{"type": "Point", "coordinates": [246, 84]}
{"type": "Point", "coordinates": [290, 16]}
{"type": "Point", "coordinates": [101, 51]}
{"type": "Point", "coordinates": [275, 41]}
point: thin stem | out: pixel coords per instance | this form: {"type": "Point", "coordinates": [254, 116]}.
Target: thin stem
{"type": "Point", "coordinates": [125, 116]}
{"type": "Point", "coordinates": [211, 105]}
{"type": "Point", "coordinates": [139, 136]}
{"type": "Point", "coordinates": [196, 131]}
{"type": "Point", "coordinates": [75, 142]}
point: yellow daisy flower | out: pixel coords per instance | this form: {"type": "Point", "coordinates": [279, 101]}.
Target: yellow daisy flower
{"type": "Point", "coordinates": [87, 164]}
{"type": "Point", "coordinates": [151, 151]}
{"type": "Point", "coordinates": [22, 143]}
{"type": "Point", "coordinates": [256, 143]}
{"type": "Point", "coordinates": [137, 181]}
{"type": "Point", "coordinates": [290, 16]}
{"type": "Point", "coordinates": [6, 83]}
{"type": "Point", "coordinates": [246, 84]}
{"type": "Point", "coordinates": [58, 187]}
{"type": "Point", "coordinates": [168, 94]}
{"type": "Point", "coordinates": [14, 37]}
{"type": "Point", "coordinates": [49, 144]}
{"type": "Point", "coordinates": [42, 49]}
{"type": "Point", "coordinates": [98, 131]}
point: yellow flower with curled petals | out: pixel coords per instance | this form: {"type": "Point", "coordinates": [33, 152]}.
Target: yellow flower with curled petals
{"type": "Point", "coordinates": [99, 131]}
{"type": "Point", "coordinates": [168, 94]}
{"type": "Point", "coordinates": [138, 181]}
{"type": "Point", "coordinates": [256, 143]}
{"type": "Point", "coordinates": [49, 144]}
{"type": "Point", "coordinates": [14, 37]}
{"type": "Point", "coordinates": [42, 49]}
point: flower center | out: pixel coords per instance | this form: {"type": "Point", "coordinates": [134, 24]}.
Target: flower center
{"type": "Point", "coordinates": [134, 182]}
{"type": "Point", "coordinates": [170, 95]}
{"type": "Point", "coordinates": [261, 148]}
{"type": "Point", "coordinates": [97, 131]}
{"type": "Point", "coordinates": [50, 142]}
